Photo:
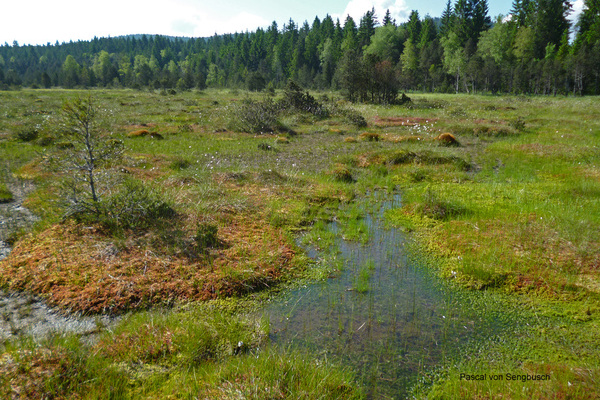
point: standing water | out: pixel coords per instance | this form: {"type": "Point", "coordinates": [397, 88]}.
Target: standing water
{"type": "Point", "coordinates": [384, 315]}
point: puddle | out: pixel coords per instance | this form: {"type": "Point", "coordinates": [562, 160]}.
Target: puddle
{"type": "Point", "coordinates": [385, 315]}
{"type": "Point", "coordinates": [26, 314]}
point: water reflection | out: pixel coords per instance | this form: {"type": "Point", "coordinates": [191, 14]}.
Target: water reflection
{"type": "Point", "coordinates": [384, 314]}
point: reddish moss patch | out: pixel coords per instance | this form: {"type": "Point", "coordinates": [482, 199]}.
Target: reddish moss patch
{"type": "Point", "coordinates": [78, 268]}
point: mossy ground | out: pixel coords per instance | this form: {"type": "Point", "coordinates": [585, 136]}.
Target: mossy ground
{"type": "Point", "coordinates": [514, 208]}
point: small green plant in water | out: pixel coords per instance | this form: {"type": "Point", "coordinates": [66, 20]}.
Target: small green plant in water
{"type": "Point", "coordinates": [361, 285]}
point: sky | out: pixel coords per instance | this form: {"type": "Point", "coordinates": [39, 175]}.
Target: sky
{"type": "Point", "coordinates": [43, 21]}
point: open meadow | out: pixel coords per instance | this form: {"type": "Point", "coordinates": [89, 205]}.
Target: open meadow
{"type": "Point", "coordinates": [208, 205]}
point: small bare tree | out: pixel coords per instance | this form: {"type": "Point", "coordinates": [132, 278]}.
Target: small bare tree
{"type": "Point", "coordinates": [85, 156]}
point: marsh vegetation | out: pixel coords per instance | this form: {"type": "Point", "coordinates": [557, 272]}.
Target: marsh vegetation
{"type": "Point", "coordinates": [278, 238]}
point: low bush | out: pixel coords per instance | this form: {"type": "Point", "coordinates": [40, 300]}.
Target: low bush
{"type": "Point", "coordinates": [518, 124]}
{"type": "Point", "coordinates": [265, 146]}
{"type": "Point", "coordinates": [295, 98]}
{"type": "Point", "coordinates": [134, 207]}
{"type": "Point", "coordinates": [254, 116]}
{"type": "Point", "coordinates": [341, 173]}
{"type": "Point", "coordinates": [355, 118]}
{"type": "Point", "coordinates": [45, 140]}
{"type": "Point", "coordinates": [27, 134]}
{"type": "Point", "coordinates": [494, 131]}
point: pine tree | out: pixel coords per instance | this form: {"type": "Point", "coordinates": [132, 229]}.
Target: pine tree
{"type": "Point", "coordinates": [446, 19]}
{"type": "Point", "coordinates": [588, 26]}
{"type": "Point", "coordinates": [413, 26]}
{"type": "Point", "coordinates": [387, 19]}
{"type": "Point", "coordinates": [481, 20]}
{"type": "Point", "coordinates": [550, 24]}
{"type": "Point", "coordinates": [366, 28]}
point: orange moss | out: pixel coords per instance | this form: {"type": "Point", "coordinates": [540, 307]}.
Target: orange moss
{"type": "Point", "coordinates": [78, 268]}
{"type": "Point", "coordinates": [447, 139]}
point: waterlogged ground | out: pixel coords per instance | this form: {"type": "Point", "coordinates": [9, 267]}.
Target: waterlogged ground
{"type": "Point", "coordinates": [25, 313]}
{"type": "Point", "coordinates": [507, 215]}
{"type": "Point", "coordinates": [384, 314]}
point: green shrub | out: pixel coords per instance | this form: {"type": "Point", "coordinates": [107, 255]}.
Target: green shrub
{"type": "Point", "coordinates": [518, 124]}
{"type": "Point", "coordinates": [254, 116]}
{"type": "Point", "coordinates": [46, 140]}
{"type": "Point", "coordinates": [295, 98]}
{"type": "Point", "coordinates": [27, 133]}
{"type": "Point", "coordinates": [401, 157]}
{"type": "Point", "coordinates": [341, 173]}
{"type": "Point", "coordinates": [354, 118]}
{"type": "Point", "coordinates": [135, 207]}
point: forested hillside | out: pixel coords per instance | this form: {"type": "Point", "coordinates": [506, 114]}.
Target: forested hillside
{"type": "Point", "coordinates": [531, 51]}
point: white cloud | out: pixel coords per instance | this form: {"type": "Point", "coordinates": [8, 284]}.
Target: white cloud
{"type": "Point", "coordinates": [241, 22]}
{"type": "Point", "coordinates": [357, 8]}
{"type": "Point", "coordinates": [42, 21]}
{"type": "Point", "coordinates": [577, 9]}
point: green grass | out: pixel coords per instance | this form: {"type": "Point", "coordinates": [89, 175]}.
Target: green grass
{"type": "Point", "coordinates": [514, 209]}
{"type": "Point", "coordinates": [203, 351]}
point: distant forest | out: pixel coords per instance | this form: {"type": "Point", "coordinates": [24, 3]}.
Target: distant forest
{"type": "Point", "coordinates": [372, 59]}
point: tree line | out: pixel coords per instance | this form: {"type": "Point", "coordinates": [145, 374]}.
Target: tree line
{"type": "Point", "coordinates": [533, 50]}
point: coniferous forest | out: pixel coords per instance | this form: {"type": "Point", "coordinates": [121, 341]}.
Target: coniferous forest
{"type": "Point", "coordinates": [535, 50]}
